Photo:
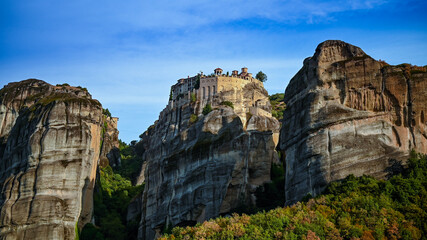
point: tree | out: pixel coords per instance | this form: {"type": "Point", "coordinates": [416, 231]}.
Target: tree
{"type": "Point", "coordinates": [106, 112]}
{"type": "Point", "coordinates": [197, 84]}
{"type": "Point", "coordinates": [261, 76]}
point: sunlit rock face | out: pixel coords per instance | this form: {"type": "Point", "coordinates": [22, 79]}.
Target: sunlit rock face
{"type": "Point", "coordinates": [198, 169]}
{"type": "Point", "coordinates": [349, 114]}
{"type": "Point", "coordinates": [50, 142]}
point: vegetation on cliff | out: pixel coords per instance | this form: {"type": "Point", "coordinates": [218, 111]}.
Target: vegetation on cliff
{"type": "Point", "coordinates": [278, 105]}
{"type": "Point", "coordinates": [355, 208]}
{"type": "Point", "coordinates": [114, 193]}
{"type": "Point", "coordinates": [261, 76]}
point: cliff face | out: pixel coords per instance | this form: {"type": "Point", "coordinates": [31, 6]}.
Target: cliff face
{"type": "Point", "coordinates": [198, 167]}
{"type": "Point", "coordinates": [110, 153]}
{"type": "Point", "coordinates": [50, 142]}
{"type": "Point", "coordinates": [349, 114]}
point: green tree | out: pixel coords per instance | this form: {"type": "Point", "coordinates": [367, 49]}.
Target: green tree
{"type": "Point", "coordinates": [197, 85]}
{"type": "Point", "coordinates": [106, 112]}
{"type": "Point", "coordinates": [261, 76]}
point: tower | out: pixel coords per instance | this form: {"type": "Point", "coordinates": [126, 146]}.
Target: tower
{"type": "Point", "coordinates": [218, 71]}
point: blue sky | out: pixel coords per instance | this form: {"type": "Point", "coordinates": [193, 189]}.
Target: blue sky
{"type": "Point", "coordinates": [128, 53]}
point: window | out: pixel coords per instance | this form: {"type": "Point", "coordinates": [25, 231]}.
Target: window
{"type": "Point", "coordinates": [213, 90]}
{"type": "Point", "coordinates": [209, 91]}
{"type": "Point", "coordinates": [204, 94]}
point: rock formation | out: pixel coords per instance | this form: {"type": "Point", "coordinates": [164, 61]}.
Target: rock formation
{"type": "Point", "coordinates": [349, 114]}
{"type": "Point", "coordinates": [110, 153]}
{"type": "Point", "coordinates": [200, 166]}
{"type": "Point", "coordinates": [50, 143]}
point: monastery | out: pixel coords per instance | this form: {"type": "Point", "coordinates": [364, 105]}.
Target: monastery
{"type": "Point", "coordinates": [210, 85]}
{"type": "Point", "coordinates": [205, 89]}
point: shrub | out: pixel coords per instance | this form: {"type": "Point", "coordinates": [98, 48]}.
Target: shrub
{"type": "Point", "coordinates": [227, 103]}
{"type": "Point", "coordinates": [207, 109]}
{"type": "Point", "coordinates": [278, 105]}
{"type": "Point", "coordinates": [106, 112]}
{"type": "Point", "coordinates": [193, 97]}
{"type": "Point", "coordinates": [193, 118]}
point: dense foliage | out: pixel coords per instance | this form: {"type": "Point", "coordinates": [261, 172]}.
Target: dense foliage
{"type": "Point", "coordinates": [131, 163]}
{"type": "Point", "coordinates": [261, 76]}
{"type": "Point", "coordinates": [112, 197]}
{"type": "Point", "coordinates": [278, 104]}
{"type": "Point", "coordinates": [355, 208]}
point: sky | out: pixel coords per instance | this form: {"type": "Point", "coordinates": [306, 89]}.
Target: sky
{"type": "Point", "coordinates": [129, 53]}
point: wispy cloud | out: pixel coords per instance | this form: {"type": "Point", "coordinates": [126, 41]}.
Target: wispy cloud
{"type": "Point", "coordinates": [129, 53]}
{"type": "Point", "coordinates": [164, 14]}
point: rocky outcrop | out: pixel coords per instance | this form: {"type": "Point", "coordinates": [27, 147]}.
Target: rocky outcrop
{"type": "Point", "coordinates": [110, 153]}
{"type": "Point", "coordinates": [349, 114]}
{"type": "Point", "coordinates": [198, 167]}
{"type": "Point", "coordinates": [50, 143]}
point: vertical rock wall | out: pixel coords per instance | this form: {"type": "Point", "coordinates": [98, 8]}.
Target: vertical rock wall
{"type": "Point", "coordinates": [349, 114]}
{"type": "Point", "coordinates": [198, 167]}
{"type": "Point", "coordinates": [50, 142]}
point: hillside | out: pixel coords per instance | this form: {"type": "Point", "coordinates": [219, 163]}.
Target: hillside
{"type": "Point", "coordinates": [355, 208]}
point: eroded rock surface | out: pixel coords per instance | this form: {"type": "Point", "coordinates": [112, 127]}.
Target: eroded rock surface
{"type": "Point", "coordinates": [198, 167]}
{"type": "Point", "coordinates": [50, 142]}
{"type": "Point", "coordinates": [349, 114]}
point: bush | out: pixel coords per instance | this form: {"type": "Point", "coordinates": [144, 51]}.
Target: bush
{"type": "Point", "coordinates": [278, 105]}
{"type": "Point", "coordinates": [207, 109]}
{"type": "Point", "coordinates": [106, 112]}
{"type": "Point", "coordinates": [193, 97]}
{"type": "Point", "coordinates": [227, 103]}
{"type": "Point", "coordinates": [193, 118]}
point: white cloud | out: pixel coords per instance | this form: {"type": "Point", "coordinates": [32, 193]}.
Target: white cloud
{"type": "Point", "coordinates": [161, 15]}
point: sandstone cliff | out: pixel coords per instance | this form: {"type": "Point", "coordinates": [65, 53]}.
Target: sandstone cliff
{"type": "Point", "coordinates": [50, 143]}
{"type": "Point", "coordinates": [197, 166]}
{"type": "Point", "coordinates": [349, 114]}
